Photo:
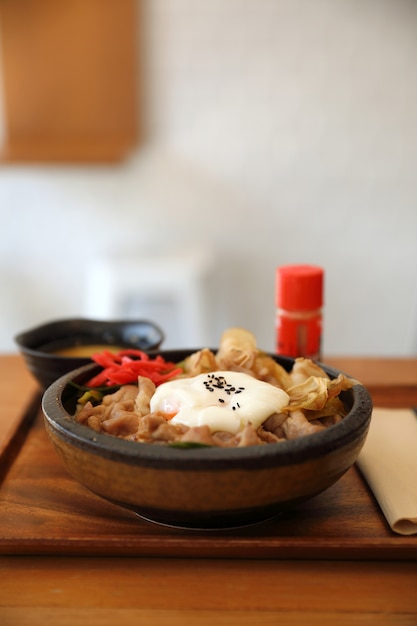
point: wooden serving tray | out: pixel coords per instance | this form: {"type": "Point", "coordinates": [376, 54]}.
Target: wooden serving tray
{"type": "Point", "coordinates": [44, 511]}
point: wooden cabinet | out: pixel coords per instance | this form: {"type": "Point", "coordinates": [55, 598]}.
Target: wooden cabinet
{"type": "Point", "coordinates": [71, 80]}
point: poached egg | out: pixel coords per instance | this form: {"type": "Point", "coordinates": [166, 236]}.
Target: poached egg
{"type": "Point", "coordinates": [224, 401]}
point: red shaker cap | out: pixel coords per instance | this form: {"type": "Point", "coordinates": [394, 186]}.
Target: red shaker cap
{"type": "Point", "coordinates": [299, 287]}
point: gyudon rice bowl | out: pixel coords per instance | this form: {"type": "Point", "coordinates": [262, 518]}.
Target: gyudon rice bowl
{"type": "Point", "coordinates": [207, 438]}
{"type": "Point", "coordinates": [236, 396]}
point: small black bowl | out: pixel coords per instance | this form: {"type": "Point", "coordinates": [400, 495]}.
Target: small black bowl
{"type": "Point", "coordinates": [39, 345]}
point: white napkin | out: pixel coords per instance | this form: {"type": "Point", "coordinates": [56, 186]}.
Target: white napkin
{"type": "Point", "coordinates": [388, 462]}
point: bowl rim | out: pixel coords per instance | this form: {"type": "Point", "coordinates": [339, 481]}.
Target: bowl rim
{"type": "Point", "coordinates": [353, 426]}
{"type": "Point", "coordinates": [25, 338]}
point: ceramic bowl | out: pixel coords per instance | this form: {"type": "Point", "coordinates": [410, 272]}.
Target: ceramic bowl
{"type": "Point", "coordinates": [204, 488]}
{"type": "Point", "coordinates": [39, 345]}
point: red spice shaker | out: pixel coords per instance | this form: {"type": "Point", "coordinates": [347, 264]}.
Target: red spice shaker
{"type": "Point", "coordinates": [299, 301]}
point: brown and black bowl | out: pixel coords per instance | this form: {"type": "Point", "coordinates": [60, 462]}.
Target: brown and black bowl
{"type": "Point", "coordinates": [42, 347]}
{"type": "Point", "coordinates": [210, 487]}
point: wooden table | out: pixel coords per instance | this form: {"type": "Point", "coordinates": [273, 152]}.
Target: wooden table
{"type": "Point", "coordinates": [158, 590]}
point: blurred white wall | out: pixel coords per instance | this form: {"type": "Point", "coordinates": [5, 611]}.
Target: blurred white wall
{"type": "Point", "coordinates": [279, 131]}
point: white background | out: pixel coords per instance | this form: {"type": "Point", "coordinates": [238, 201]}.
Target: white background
{"type": "Point", "coordinates": [278, 131]}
